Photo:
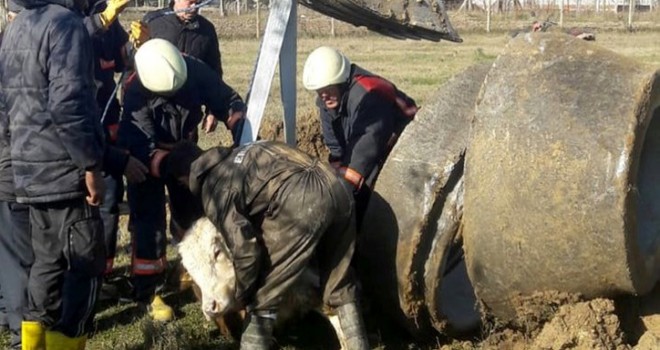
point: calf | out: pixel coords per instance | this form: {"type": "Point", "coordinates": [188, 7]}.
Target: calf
{"type": "Point", "coordinates": [206, 257]}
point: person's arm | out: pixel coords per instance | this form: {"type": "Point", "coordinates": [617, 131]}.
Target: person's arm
{"type": "Point", "coordinates": [221, 99]}
{"type": "Point", "coordinates": [71, 89]}
{"type": "Point", "coordinates": [120, 42]}
{"type": "Point", "coordinates": [330, 138]}
{"type": "Point", "coordinates": [371, 130]}
{"type": "Point", "coordinates": [136, 127]}
{"type": "Point", "coordinates": [97, 23]}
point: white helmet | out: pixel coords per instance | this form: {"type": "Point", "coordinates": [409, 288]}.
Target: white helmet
{"type": "Point", "coordinates": [160, 66]}
{"type": "Point", "coordinates": [325, 66]}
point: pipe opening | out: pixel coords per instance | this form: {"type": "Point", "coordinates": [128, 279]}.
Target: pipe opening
{"type": "Point", "coordinates": [648, 200]}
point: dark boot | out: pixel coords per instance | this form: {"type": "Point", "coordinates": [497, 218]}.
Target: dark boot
{"type": "Point", "coordinates": [352, 327]}
{"type": "Point", "coordinates": [258, 332]}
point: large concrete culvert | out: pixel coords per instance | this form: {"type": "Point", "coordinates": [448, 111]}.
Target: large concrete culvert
{"type": "Point", "coordinates": [562, 175]}
{"type": "Point", "coordinates": [408, 259]}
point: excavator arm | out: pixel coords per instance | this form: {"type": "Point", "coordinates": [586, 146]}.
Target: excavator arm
{"type": "Point", "coordinates": [401, 19]}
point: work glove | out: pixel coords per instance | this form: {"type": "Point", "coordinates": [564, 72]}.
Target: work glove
{"type": "Point", "coordinates": [139, 34]}
{"type": "Point", "coordinates": [114, 7]}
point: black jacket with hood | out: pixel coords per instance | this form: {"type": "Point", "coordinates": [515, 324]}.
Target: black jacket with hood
{"type": "Point", "coordinates": [47, 83]}
{"type": "Point", "coordinates": [196, 38]}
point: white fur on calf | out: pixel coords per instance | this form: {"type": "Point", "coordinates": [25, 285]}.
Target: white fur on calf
{"type": "Point", "coordinates": [205, 256]}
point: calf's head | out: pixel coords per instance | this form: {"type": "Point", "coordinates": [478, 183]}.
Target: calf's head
{"type": "Point", "coordinates": [205, 255]}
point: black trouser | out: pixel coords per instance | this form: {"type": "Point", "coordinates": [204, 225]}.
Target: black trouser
{"type": "Point", "coordinates": [114, 193]}
{"type": "Point", "coordinates": [314, 215]}
{"type": "Point", "coordinates": [147, 204]}
{"type": "Point", "coordinates": [69, 259]}
{"type": "Point", "coordinates": [15, 258]}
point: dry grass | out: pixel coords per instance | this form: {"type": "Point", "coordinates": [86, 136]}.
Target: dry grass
{"type": "Point", "coordinates": [416, 67]}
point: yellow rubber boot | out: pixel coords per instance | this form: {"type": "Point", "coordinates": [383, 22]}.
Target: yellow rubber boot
{"type": "Point", "coordinates": [32, 336]}
{"type": "Point", "coordinates": [159, 311]}
{"type": "Point", "coordinates": [59, 341]}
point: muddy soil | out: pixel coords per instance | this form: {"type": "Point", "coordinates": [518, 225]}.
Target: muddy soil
{"type": "Point", "coordinates": [593, 324]}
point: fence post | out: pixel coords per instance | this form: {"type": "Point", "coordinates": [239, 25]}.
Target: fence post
{"type": "Point", "coordinates": [631, 9]}
{"type": "Point", "coordinates": [488, 13]}
{"type": "Point", "coordinates": [258, 20]}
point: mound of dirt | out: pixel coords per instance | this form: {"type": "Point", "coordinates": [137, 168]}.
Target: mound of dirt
{"type": "Point", "coordinates": [308, 135]}
{"type": "Point", "coordinates": [533, 311]}
{"type": "Point", "coordinates": [584, 325]}
{"type": "Point", "coordinates": [557, 321]}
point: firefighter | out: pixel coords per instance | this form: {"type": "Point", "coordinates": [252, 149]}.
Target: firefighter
{"type": "Point", "coordinates": [161, 107]}
{"type": "Point", "coordinates": [57, 150]}
{"type": "Point", "coordinates": [276, 207]}
{"type": "Point", "coordinates": [111, 51]}
{"type": "Point", "coordinates": [192, 34]}
{"type": "Point", "coordinates": [362, 116]}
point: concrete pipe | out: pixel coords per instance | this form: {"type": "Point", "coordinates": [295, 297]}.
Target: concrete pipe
{"type": "Point", "coordinates": [405, 248]}
{"type": "Point", "coordinates": [562, 179]}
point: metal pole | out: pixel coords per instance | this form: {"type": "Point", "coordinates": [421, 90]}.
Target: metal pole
{"type": "Point", "coordinates": [288, 76]}
{"type": "Point", "coordinates": [278, 27]}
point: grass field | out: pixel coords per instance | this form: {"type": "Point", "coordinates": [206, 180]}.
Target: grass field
{"type": "Point", "coordinates": [418, 68]}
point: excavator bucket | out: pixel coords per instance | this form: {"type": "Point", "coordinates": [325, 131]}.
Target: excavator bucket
{"type": "Point", "coordinates": [401, 19]}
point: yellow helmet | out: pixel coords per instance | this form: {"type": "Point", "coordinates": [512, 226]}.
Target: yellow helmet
{"type": "Point", "coordinates": [325, 66]}
{"type": "Point", "coordinates": [160, 66]}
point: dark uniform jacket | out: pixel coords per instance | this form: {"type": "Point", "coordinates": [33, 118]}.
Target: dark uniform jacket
{"type": "Point", "coordinates": [239, 187]}
{"type": "Point", "coordinates": [370, 112]}
{"type": "Point", "coordinates": [196, 38]}
{"type": "Point", "coordinates": [108, 47]}
{"type": "Point", "coordinates": [47, 81]}
{"type": "Point", "coordinates": [149, 119]}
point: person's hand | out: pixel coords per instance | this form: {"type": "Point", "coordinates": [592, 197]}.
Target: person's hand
{"type": "Point", "coordinates": [157, 157]}
{"type": "Point", "coordinates": [235, 123]}
{"type": "Point", "coordinates": [109, 15]}
{"type": "Point", "coordinates": [210, 123]}
{"type": "Point", "coordinates": [95, 188]}
{"type": "Point", "coordinates": [135, 171]}
{"type": "Point", "coordinates": [139, 33]}
{"type": "Point", "coordinates": [234, 118]}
